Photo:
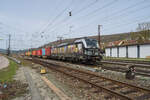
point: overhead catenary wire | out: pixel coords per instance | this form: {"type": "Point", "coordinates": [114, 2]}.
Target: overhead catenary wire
{"type": "Point", "coordinates": [99, 9]}
{"type": "Point", "coordinates": [121, 11]}
{"type": "Point", "coordinates": [45, 25]}
{"type": "Point", "coordinates": [126, 14]}
{"type": "Point", "coordinates": [14, 38]}
{"type": "Point", "coordinates": [129, 23]}
{"type": "Point", "coordinates": [77, 12]}
{"type": "Point", "coordinates": [130, 8]}
{"type": "Point", "coordinates": [58, 16]}
{"type": "Point", "coordinates": [12, 27]}
{"type": "Point", "coordinates": [124, 25]}
{"type": "Point", "coordinates": [117, 12]}
{"type": "Point", "coordinates": [85, 7]}
{"type": "Point", "coordinates": [105, 20]}
{"type": "Point", "coordinates": [43, 28]}
{"type": "Point", "coordinates": [50, 23]}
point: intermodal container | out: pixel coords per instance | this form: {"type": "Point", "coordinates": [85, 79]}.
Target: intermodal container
{"type": "Point", "coordinates": [39, 52]}
{"type": "Point", "coordinates": [29, 53]}
{"type": "Point", "coordinates": [48, 51]}
{"type": "Point", "coordinates": [26, 53]}
{"type": "Point", "coordinates": [43, 51]}
{"type": "Point", "coordinates": [34, 53]}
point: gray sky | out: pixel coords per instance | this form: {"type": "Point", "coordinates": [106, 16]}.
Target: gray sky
{"type": "Point", "coordinates": [32, 23]}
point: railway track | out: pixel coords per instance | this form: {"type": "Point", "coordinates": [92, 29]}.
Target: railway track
{"type": "Point", "coordinates": [140, 69]}
{"type": "Point", "coordinates": [112, 88]}
{"type": "Point", "coordinates": [123, 68]}
{"type": "Point", "coordinates": [128, 61]}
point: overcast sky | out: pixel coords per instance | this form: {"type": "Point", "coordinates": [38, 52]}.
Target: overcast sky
{"type": "Point", "coordinates": [33, 23]}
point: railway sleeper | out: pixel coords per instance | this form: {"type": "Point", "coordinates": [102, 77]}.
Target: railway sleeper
{"type": "Point", "coordinates": [117, 94]}
{"type": "Point", "coordinates": [96, 81]}
{"type": "Point", "coordinates": [107, 97]}
{"type": "Point", "coordinates": [142, 97]}
{"type": "Point", "coordinates": [116, 87]}
{"type": "Point", "coordinates": [128, 91]}
{"type": "Point", "coordinates": [105, 84]}
{"type": "Point", "coordinates": [94, 90]}
{"type": "Point", "coordinates": [97, 91]}
{"type": "Point", "coordinates": [94, 78]}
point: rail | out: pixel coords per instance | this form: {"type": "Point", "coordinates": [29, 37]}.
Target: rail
{"type": "Point", "coordinates": [111, 88]}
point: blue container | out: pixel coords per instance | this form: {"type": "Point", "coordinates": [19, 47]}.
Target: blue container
{"type": "Point", "coordinates": [43, 52]}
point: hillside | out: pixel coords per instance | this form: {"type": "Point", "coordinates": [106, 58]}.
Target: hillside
{"type": "Point", "coordinates": [104, 39]}
{"type": "Point", "coordinates": [3, 51]}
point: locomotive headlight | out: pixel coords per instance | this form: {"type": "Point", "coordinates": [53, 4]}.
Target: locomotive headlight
{"type": "Point", "coordinates": [96, 53]}
{"type": "Point", "coordinates": [88, 52]}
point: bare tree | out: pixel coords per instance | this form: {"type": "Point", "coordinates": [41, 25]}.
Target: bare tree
{"type": "Point", "coordinates": [143, 30]}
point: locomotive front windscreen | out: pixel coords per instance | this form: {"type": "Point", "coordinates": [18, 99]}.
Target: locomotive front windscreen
{"type": "Point", "coordinates": [91, 43]}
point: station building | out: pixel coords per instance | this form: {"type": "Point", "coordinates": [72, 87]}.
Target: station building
{"type": "Point", "coordinates": [128, 49]}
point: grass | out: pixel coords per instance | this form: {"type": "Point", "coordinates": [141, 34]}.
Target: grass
{"type": "Point", "coordinates": [6, 74]}
{"type": "Point", "coordinates": [121, 58]}
{"type": "Point", "coordinates": [25, 62]}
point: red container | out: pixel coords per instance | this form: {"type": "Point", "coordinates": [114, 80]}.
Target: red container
{"type": "Point", "coordinates": [34, 53]}
{"type": "Point", "coordinates": [26, 53]}
{"type": "Point", "coordinates": [39, 52]}
{"type": "Point", "coordinates": [48, 51]}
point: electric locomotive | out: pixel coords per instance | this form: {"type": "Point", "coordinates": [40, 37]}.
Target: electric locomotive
{"type": "Point", "coordinates": [85, 50]}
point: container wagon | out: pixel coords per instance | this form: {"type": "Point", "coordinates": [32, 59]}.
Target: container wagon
{"type": "Point", "coordinates": [48, 52]}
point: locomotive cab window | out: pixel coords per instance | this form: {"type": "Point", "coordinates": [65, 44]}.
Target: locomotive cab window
{"type": "Point", "coordinates": [91, 43]}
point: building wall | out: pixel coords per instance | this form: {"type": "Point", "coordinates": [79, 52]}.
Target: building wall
{"type": "Point", "coordinates": [114, 52]}
{"type": "Point", "coordinates": [144, 51]}
{"type": "Point", "coordinates": [122, 51]}
{"type": "Point", "coordinates": [107, 51]}
{"type": "Point", "coordinates": [132, 51]}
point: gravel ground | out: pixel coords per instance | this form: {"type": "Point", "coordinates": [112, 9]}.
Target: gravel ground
{"type": "Point", "coordinates": [45, 92]}
{"type": "Point", "coordinates": [62, 86]}
{"type": "Point", "coordinates": [80, 89]}
{"type": "Point", "coordinates": [52, 77]}
{"type": "Point", "coordinates": [20, 76]}
{"type": "Point", "coordinates": [139, 80]}
{"type": "Point", "coordinates": [86, 93]}
{"type": "Point", "coordinates": [4, 62]}
{"type": "Point", "coordinates": [75, 89]}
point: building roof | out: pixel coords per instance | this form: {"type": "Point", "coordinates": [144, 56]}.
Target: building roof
{"type": "Point", "coordinates": [122, 43]}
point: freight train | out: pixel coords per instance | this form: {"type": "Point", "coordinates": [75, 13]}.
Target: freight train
{"type": "Point", "coordinates": [81, 50]}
